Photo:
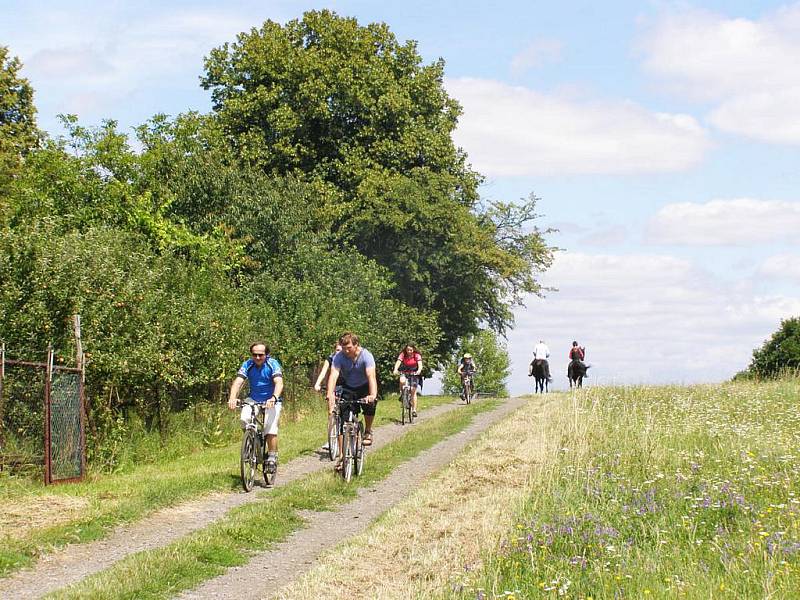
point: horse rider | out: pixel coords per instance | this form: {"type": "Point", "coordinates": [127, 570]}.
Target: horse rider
{"type": "Point", "coordinates": [542, 352]}
{"type": "Point", "coordinates": [578, 353]}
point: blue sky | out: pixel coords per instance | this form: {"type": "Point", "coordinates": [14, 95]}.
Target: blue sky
{"type": "Point", "coordinates": [663, 139]}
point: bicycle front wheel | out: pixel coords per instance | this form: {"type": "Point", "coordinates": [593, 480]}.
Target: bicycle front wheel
{"type": "Point", "coordinates": [349, 455]}
{"type": "Point", "coordinates": [410, 410]}
{"type": "Point", "coordinates": [468, 392]}
{"type": "Point", "coordinates": [403, 405]}
{"type": "Point", "coordinates": [248, 460]}
{"type": "Point", "coordinates": [360, 454]}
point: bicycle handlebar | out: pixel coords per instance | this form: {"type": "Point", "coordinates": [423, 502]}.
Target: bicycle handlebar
{"type": "Point", "coordinates": [342, 400]}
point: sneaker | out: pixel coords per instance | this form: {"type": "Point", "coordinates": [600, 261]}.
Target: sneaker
{"type": "Point", "coordinates": [413, 413]}
{"type": "Point", "coordinates": [271, 466]}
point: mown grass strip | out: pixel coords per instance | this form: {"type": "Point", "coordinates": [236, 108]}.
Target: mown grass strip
{"type": "Point", "coordinates": [458, 513]}
{"type": "Point", "coordinates": [110, 500]}
{"type": "Point", "coordinates": [661, 493]}
{"type": "Point", "coordinates": [163, 572]}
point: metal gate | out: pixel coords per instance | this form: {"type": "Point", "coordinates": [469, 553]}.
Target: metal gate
{"type": "Point", "coordinates": [64, 416]}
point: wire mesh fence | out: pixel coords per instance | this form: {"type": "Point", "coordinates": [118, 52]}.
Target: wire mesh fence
{"type": "Point", "coordinates": [66, 438]}
{"type": "Point", "coordinates": [42, 419]}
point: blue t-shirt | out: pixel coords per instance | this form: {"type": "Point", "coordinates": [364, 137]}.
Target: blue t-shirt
{"type": "Point", "coordinates": [261, 381]}
{"type": "Point", "coordinates": [354, 372]}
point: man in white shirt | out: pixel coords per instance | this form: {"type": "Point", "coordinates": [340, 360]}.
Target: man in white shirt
{"type": "Point", "coordinates": [542, 352]}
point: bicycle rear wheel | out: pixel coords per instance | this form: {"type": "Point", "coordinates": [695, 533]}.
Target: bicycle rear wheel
{"type": "Point", "coordinates": [333, 436]}
{"type": "Point", "coordinates": [248, 460]}
{"type": "Point", "coordinates": [361, 456]}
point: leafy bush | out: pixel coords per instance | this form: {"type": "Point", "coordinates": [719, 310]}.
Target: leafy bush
{"type": "Point", "coordinates": [491, 357]}
{"type": "Point", "coordinates": [779, 354]}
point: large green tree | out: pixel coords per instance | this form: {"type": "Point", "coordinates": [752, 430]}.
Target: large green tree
{"type": "Point", "coordinates": [18, 131]}
{"type": "Point", "coordinates": [356, 112]}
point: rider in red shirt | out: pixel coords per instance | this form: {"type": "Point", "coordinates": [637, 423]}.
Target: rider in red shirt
{"type": "Point", "coordinates": [577, 352]}
{"type": "Point", "coordinates": [409, 363]}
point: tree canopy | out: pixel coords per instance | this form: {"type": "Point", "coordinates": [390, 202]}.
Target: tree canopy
{"type": "Point", "coordinates": [352, 109]}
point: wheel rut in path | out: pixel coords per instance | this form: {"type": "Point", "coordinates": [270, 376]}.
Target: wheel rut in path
{"type": "Point", "coordinates": [77, 561]}
{"type": "Point", "coordinates": [269, 571]}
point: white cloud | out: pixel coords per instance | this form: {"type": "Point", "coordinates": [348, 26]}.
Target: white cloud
{"type": "Point", "coordinates": [536, 54]}
{"type": "Point", "coordinates": [116, 61]}
{"type": "Point", "coordinates": [512, 131]}
{"type": "Point", "coordinates": [781, 266]}
{"type": "Point", "coordinates": [735, 222]}
{"type": "Point", "coordinates": [644, 319]}
{"type": "Point", "coordinates": [748, 68]}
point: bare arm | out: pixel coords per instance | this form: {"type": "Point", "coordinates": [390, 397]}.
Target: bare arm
{"type": "Point", "coordinates": [419, 367]}
{"type": "Point", "coordinates": [373, 384]}
{"type": "Point", "coordinates": [322, 373]}
{"type": "Point", "coordinates": [396, 366]}
{"type": "Point", "coordinates": [278, 381]}
{"type": "Point", "coordinates": [333, 376]}
{"type": "Point", "coordinates": [234, 395]}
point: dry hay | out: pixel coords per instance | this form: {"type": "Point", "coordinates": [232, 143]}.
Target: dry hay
{"type": "Point", "coordinates": [21, 515]}
{"type": "Point", "coordinates": [425, 544]}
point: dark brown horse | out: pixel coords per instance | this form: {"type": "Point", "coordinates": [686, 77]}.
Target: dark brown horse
{"type": "Point", "coordinates": [538, 370]}
{"type": "Point", "coordinates": [576, 371]}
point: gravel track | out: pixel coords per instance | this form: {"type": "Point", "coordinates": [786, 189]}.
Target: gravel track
{"type": "Point", "coordinates": [267, 572]}
{"type": "Point", "coordinates": [75, 562]}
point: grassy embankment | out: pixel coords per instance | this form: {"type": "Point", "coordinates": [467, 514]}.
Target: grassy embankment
{"type": "Point", "coordinates": [641, 492]}
{"type": "Point", "coordinates": [35, 519]}
{"type": "Point", "coordinates": [662, 493]}
{"type": "Point", "coordinates": [163, 572]}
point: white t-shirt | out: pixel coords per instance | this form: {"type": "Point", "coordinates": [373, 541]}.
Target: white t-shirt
{"type": "Point", "coordinates": [541, 351]}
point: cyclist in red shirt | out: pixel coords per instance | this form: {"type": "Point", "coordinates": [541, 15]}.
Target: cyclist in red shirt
{"type": "Point", "coordinates": [409, 363]}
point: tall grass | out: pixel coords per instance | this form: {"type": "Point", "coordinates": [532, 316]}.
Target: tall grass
{"type": "Point", "coordinates": [662, 492]}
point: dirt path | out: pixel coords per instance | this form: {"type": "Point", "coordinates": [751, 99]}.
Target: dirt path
{"type": "Point", "coordinates": [269, 571]}
{"type": "Point", "coordinates": [78, 561]}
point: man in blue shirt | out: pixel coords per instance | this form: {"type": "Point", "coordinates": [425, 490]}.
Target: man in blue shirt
{"type": "Point", "coordinates": [357, 368]}
{"type": "Point", "coordinates": [265, 376]}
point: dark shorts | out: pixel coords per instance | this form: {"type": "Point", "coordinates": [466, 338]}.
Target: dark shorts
{"type": "Point", "coordinates": [355, 407]}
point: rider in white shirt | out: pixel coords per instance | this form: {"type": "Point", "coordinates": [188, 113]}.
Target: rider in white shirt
{"type": "Point", "coordinates": [542, 352]}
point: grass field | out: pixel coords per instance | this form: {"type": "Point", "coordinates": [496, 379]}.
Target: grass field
{"type": "Point", "coordinates": [660, 493]}
{"type": "Point", "coordinates": [638, 492]}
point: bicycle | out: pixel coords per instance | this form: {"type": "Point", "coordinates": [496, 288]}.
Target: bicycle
{"type": "Point", "coordinates": [406, 399]}
{"type": "Point", "coordinates": [254, 448]}
{"type": "Point", "coordinates": [352, 450]}
{"type": "Point", "coordinates": [467, 390]}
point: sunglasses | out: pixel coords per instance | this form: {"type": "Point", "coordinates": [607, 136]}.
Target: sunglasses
{"type": "Point", "coordinates": [258, 354]}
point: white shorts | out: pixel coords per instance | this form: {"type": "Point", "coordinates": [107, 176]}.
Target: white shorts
{"type": "Point", "coordinates": [271, 417]}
